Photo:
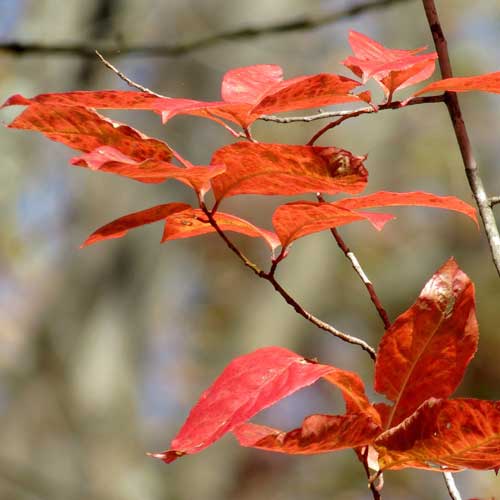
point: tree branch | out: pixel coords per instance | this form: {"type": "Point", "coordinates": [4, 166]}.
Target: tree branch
{"type": "Point", "coordinates": [175, 50]}
{"type": "Point", "coordinates": [286, 296]}
{"type": "Point", "coordinates": [451, 486]}
{"type": "Point", "coordinates": [470, 164]}
{"type": "Point", "coordinates": [494, 200]}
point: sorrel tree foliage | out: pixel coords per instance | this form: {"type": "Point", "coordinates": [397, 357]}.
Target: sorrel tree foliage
{"type": "Point", "coordinates": [422, 356]}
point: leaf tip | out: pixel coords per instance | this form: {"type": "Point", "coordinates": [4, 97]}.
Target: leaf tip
{"type": "Point", "coordinates": [167, 456]}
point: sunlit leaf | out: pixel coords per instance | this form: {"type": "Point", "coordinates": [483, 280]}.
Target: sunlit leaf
{"type": "Point", "coordinates": [108, 159]}
{"type": "Point", "coordinates": [120, 227]}
{"type": "Point", "coordinates": [393, 69]}
{"type": "Point", "coordinates": [280, 169]}
{"type": "Point", "coordinates": [427, 349]}
{"type": "Point", "coordinates": [194, 222]}
{"type": "Point", "coordinates": [247, 385]}
{"type": "Point", "coordinates": [416, 198]}
{"type": "Point", "coordinates": [489, 82]}
{"type": "Point", "coordinates": [298, 219]}
{"type": "Point", "coordinates": [456, 434]}
{"type": "Point", "coordinates": [318, 434]}
{"type": "Point", "coordinates": [85, 130]}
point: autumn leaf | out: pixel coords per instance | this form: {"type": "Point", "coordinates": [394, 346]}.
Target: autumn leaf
{"type": "Point", "coordinates": [425, 352]}
{"type": "Point", "coordinates": [194, 222]}
{"type": "Point", "coordinates": [489, 82]}
{"type": "Point", "coordinates": [120, 227]}
{"type": "Point", "coordinates": [108, 159]}
{"type": "Point", "coordinates": [392, 69]}
{"type": "Point", "coordinates": [318, 434]}
{"type": "Point", "coordinates": [456, 434]}
{"type": "Point", "coordinates": [85, 130]}
{"type": "Point", "coordinates": [246, 386]}
{"type": "Point", "coordinates": [298, 219]}
{"type": "Point", "coordinates": [280, 169]}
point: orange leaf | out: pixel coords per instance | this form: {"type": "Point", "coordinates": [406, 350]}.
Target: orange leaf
{"type": "Point", "coordinates": [427, 349]}
{"type": "Point", "coordinates": [247, 385]}
{"type": "Point", "coordinates": [108, 159]}
{"type": "Point", "coordinates": [280, 169]}
{"type": "Point", "coordinates": [120, 227]}
{"type": "Point", "coordinates": [194, 222]}
{"type": "Point", "coordinates": [416, 198]}
{"type": "Point", "coordinates": [392, 69]}
{"type": "Point", "coordinates": [318, 434]}
{"type": "Point", "coordinates": [297, 219]}
{"type": "Point", "coordinates": [457, 434]}
{"type": "Point", "coordinates": [489, 82]}
{"type": "Point", "coordinates": [85, 130]}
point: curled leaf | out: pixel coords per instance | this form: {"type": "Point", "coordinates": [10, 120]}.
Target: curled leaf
{"type": "Point", "coordinates": [489, 82]}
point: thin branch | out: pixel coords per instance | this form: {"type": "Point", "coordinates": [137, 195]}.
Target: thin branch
{"type": "Point", "coordinates": [351, 113]}
{"type": "Point", "coordinates": [174, 50]}
{"type": "Point", "coordinates": [470, 164]}
{"type": "Point", "coordinates": [362, 275]}
{"type": "Point", "coordinates": [376, 484]}
{"type": "Point", "coordinates": [494, 200]}
{"type": "Point", "coordinates": [286, 296]}
{"type": "Point", "coordinates": [125, 78]}
{"type": "Point", "coordinates": [451, 486]}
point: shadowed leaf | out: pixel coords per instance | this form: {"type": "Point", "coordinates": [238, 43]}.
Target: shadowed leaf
{"type": "Point", "coordinates": [457, 434]}
{"type": "Point", "coordinates": [318, 434]}
{"type": "Point", "coordinates": [427, 349]}
{"type": "Point", "coordinates": [280, 169]}
{"type": "Point", "coordinates": [247, 385]}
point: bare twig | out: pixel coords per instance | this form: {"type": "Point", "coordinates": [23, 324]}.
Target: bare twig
{"type": "Point", "coordinates": [375, 484]}
{"type": "Point", "coordinates": [451, 486]}
{"type": "Point", "coordinates": [286, 296]}
{"type": "Point", "coordinates": [362, 275]}
{"type": "Point", "coordinates": [174, 50]}
{"type": "Point", "coordinates": [125, 78]}
{"type": "Point", "coordinates": [494, 200]}
{"type": "Point", "coordinates": [470, 164]}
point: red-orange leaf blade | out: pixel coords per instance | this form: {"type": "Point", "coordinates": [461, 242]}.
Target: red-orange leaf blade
{"type": "Point", "coordinates": [457, 434]}
{"type": "Point", "coordinates": [306, 92]}
{"type": "Point", "coordinates": [298, 219]}
{"type": "Point", "coordinates": [120, 227]}
{"type": "Point", "coordinates": [318, 434]}
{"type": "Point", "coordinates": [427, 349]}
{"type": "Point", "coordinates": [280, 169]}
{"type": "Point", "coordinates": [417, 198]}
{"type": "Point", "coordinates": [247, 385]}
{"type": "Point", "coordinates": [85, 130]}
{"type": "Point", "coordinates": [489, 82]}
{"type": "Point", "coordinates": [194, 222]}
{"type": "Point", "coordinates": [393, 69]}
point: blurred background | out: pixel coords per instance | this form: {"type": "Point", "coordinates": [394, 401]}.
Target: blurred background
{"type": "Point", "coordinates": [104, 350]}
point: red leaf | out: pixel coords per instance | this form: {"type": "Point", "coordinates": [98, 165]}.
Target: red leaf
{"type": "Point", "coordinates": [318, 434]}
{"type": "Point", "coordinates": [99, 99]}
{"type": "Point", "coordinates": [297, 219]}
{"type": "Point", "coordinates": [194, 222]}
{"type": "Point", "coordinates": [248, 84]}
{"type": "Point", "coordinates": [353, 391]}
{"type": "Point", "coordinates": [120, 227]}
{"type": "Point", "coordinates": [280, 169]}
{"type": "Point", "coordinates": [306, 92]}
{"type": "Point", "coordinates": [489, 82]}
{"type": "Point", "coordinates": [108, 159]}
{"type": "Point", "coordinates": [247, 385]}
{"type": "Point", "coordinates": [457, 434]}
{"type": "Point", "coordinates": [393, 69]}
{"type": "Point", "coordinates": [85, 130]}
{"type": "Point", "coordinates": [417, 198]}
{"type": "Point", "coordinates": [427, 349]}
